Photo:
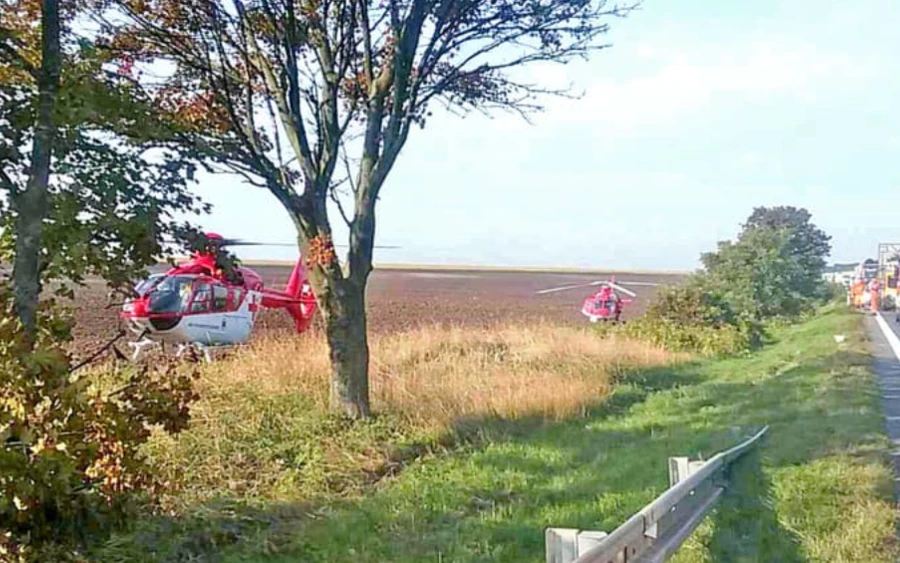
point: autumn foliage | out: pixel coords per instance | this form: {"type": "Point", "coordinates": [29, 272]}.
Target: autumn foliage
{"type": "Point", "coordinates": [70, 447]}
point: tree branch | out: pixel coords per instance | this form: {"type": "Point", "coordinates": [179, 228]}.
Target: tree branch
{"type": "Point", "coordinates": [337, 200]}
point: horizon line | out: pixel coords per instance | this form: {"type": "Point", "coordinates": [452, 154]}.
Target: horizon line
{"type": "Point", "coordinates": [471, 267]}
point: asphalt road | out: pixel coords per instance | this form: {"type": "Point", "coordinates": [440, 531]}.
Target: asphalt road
{"type": "Point", "coordinates": [884, 333]}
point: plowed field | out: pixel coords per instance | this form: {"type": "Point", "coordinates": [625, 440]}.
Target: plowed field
{"type": "Point", "coordinates": [404, 299]}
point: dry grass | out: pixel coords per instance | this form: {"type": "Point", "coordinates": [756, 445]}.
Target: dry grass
{"type": "Point", "coordinates": [262, 430]}
{"type": "Point", "coordinates": [434, 376]}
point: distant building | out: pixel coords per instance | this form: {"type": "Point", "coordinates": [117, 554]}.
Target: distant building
{"type": "Point", "coordinates": [843, 274]}
{"type": "Point", "coordinates": [843, 278]}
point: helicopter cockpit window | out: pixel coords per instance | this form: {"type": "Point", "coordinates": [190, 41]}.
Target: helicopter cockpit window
{"type": "Point", "coordinates": [171, 294]}
{"type": "Point", "coordinates": [202, 299]}
{"type": "Point", "coordinates": [146, 285]}
{"type": "Point", "coordinates": [236, 295]}
{"type": "Point", "coordinates": [220, 298]}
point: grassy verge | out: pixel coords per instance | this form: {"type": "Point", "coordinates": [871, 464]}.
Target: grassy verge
{"type": "Point", "coordinates": [819, 490]}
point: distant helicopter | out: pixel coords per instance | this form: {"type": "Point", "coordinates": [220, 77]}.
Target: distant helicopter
{"type": "Point", "coordinates": [605, 304]}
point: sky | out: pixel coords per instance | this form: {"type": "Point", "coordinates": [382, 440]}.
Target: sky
{"type": "Point", "coordinates": [699, 111]}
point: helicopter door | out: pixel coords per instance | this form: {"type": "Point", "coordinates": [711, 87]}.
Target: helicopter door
{"type": "Point", "coordinates": [235, 296]}
{"type": "Point", "coordinates": [204, 322]}
{"type": "Point", "coordinates": [239, 320]}
{"type": "Point", "coordinates": [220, 299]}
{"type": "Point", "coordinates": [201, 299]}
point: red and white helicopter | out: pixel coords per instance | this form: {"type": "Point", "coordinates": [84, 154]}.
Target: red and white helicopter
{"type": "Point", "coordinates": [605, 304]}
{"type": "Point", "coordinates": [197, 305]}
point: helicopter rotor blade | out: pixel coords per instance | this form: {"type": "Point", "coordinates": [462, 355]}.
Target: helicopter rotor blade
{"type": "Point", "coordinates": [564, 288]}
{"type": "Point", "coordinates": [640, 283]}
{"type": "Point", "coordinates": [618, 287]}
{"type": "Point", "coordinates": [241, 242]}
{"type": "Point", "coordinates": [223, 242]}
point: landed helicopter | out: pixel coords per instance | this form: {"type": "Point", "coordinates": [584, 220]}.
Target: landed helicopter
{"type": "Point", "coordinates": [202, 303]}
{"type": "Point", "coordinates": [605, 304]}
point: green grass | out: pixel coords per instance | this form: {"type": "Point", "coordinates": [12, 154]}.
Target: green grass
{"type": "Point", "coordinates": [819, 489]}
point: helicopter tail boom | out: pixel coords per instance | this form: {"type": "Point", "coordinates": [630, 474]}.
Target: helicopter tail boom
{"type": "Point", "coordinates": [297, 299]}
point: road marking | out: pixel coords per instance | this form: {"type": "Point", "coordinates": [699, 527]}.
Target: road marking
{"type": "Point", "coordinates": [889, 334]}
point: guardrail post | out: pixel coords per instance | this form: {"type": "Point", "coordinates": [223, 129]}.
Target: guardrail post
{"type": "Point", "coordinates": [565, 545]}
{"type": "Point", "coordinates": [680, 468]}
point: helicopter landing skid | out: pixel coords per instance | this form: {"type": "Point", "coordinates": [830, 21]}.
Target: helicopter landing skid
{"type": "Point", "coordinates": [194, 349]}
{"type": "Point", "coordinates": [141, 346]}
{"type": "Point", "coordinates": [595, 319]}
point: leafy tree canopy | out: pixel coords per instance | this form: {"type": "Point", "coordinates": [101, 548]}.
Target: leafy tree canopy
{"type": "Point", "coordinates": [775, 266]}
{"type": "Point", "coordinates": [116, 183]}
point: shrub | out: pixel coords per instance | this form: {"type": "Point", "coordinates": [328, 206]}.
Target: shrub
{"type": "Point", "coordinates": [694, 318]}
{"type": "Point", "coordinates": [70, 459]}
{"type": "Point", "coordinates": [774, 267]}
{"type": "Point", "coordinates": [833, 292]}
{"type": "Point", "coordinates": [698, 338]}
{"type": "Point", "coordinates": [692, 304]}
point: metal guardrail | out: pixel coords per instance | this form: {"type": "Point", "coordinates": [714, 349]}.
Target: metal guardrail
{"type": "Point", "coordinates": [658, 529]}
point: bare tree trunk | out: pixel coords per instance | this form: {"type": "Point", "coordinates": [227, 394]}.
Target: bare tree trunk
{"type": "Point", "coordinates": [32, 203]}
{"type": "Point", "coordinates": [348, 344]}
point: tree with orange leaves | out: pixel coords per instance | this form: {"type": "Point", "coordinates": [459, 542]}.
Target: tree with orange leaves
{"type": "Point", "coordinates": [309, 97]}
{"type": "Point", "coordinates": [79, 197]}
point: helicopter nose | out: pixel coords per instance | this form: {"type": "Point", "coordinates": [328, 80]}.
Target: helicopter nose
{"type": "Point", "coordinates": [136, 308]}
{"type": "Point", "coordinates": [164, 324]}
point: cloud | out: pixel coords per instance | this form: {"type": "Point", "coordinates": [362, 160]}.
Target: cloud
{"type": "Point", "coordinates": [677, 83]}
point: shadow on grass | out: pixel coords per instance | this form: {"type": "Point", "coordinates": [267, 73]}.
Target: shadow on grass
{"type": "Point", "coordinates": [746, 526]}
{"type": "Point", "coordinates": [511, 478]}
{"type": "Point", "coordinates": [630, 388]}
